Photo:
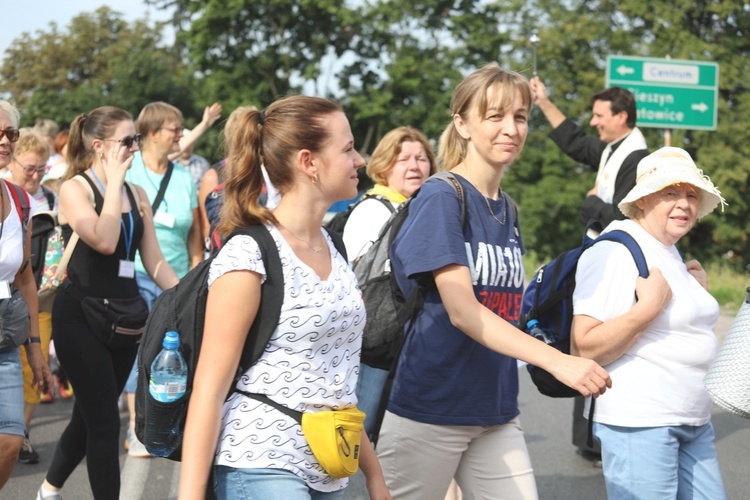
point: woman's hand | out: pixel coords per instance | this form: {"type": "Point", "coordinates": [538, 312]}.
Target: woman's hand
{"type": "Point", "coordinates": [696, 270]}
{"type": "Point", "coordinates": [211, 114]}
{"type": "Point", "coordinates": [654, 291]}
{"type": "Point", "coordinates": [42, 375]}
{"type": "Point", "coordinates": [583, 375]}
{"type": "Point", "coordinates": [116, 162]}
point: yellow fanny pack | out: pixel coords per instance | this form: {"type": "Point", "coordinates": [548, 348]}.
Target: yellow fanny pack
{"type": "Point", "coordinates": [334, 436]}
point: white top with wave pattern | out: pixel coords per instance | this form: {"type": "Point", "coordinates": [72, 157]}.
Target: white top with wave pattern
{"type": "Point", "coordinates": [310, 364]}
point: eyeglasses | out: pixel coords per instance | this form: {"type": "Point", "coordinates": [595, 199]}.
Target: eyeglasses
{"type": "Point", "coordinates": [33, 170]}
{"type": "Point", "coordinates": [11, 133]}
{"type": "Point", "coordinates": [174, 130]}
{"type": "Point", "coordinates": [128, 141]}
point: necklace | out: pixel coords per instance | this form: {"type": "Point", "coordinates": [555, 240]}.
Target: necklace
{"type": "Point", "coordinates": [314, 250]}
{"type": "Point", "coordinates": [505, 210]}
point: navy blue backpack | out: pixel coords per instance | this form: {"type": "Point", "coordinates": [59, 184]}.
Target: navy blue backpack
{"type": "Point", "coordinates": [549, 300]}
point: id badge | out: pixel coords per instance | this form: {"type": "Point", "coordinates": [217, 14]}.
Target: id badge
{"type": "Point", "coordinates": [127, 269]}
{"type": "Point", "coordinates": [164, 219]}
{"type": "Point", "coordinates": [5, 290]}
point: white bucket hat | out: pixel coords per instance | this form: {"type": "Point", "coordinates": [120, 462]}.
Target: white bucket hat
{"type": "Point", "coordinates": [666, 167]}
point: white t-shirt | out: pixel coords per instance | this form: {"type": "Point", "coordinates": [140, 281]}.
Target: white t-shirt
{"type": "Point", "coordinates": [310, 364]}
{"type": "Point", "coordinates": [659, 380]}
{"type": "Point", "coordinates": [364, 225]}
{"type": "Point", "coordinates": [11, 245]}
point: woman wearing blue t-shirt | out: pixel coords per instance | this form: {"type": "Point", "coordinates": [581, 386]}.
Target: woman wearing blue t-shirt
{"type": "Point", "coordinates": [453, 409]}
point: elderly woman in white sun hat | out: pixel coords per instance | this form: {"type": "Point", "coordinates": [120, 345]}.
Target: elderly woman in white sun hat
{"type": "Point", "coordinates": [656, 338]}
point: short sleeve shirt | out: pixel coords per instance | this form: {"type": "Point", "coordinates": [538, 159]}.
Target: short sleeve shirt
{"type": "Point", "coordinates": [310, 364]}
{"type": "Point", "coordinates": [179, 202]}
{"type": "Point", "coordinates": [444, 377]}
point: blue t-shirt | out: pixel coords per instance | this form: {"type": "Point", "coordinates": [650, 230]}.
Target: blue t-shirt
{"type": "Point", "coordinates": [444, 377]}
{"type": "Point", "coordinates": [180, 199]}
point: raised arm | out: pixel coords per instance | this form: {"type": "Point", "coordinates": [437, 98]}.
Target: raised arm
{"type": "Point", "coordinates": [551, 112]}
{"type": "Point", "coordinates": [210, 115]}
{"type": "Point", "coordinates": [100, 232]}
{"type": "Point", "coordinates": [475, 320]}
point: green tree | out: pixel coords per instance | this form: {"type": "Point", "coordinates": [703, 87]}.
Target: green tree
{"type": "Point", "coordinates": [99, 59]}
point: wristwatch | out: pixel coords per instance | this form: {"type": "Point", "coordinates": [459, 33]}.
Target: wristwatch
{"type": "Point", "coordinates": [32, 340]}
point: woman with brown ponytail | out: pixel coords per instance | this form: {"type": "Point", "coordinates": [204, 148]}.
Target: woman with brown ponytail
{"type": "Point", "coordinates": [101, 208]}
{"type": "Point", "coordinates": [311, 361]}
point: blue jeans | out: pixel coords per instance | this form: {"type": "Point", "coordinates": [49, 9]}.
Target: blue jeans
{"type": "Point", "coordinates": [149, 291]}
{"type": "Point", "coordinates": [265, 484]}
{"type": "Point", "coordinates": [11, 393]}
{"type": "Point", "coordinates": [660, 462]}
{"type": "Point", "coordinates": [369, 390]}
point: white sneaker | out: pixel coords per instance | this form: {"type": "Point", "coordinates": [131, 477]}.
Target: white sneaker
{"type": "Point", "coordinates": [50, 495]}
{"type": "Point", "coordinates": [135, 447]}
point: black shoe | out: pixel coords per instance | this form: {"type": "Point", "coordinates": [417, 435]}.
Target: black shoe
{"type": "Point", "coordinates": [27, 454]}
{"type": "Point", "coordinates": [593, 457]}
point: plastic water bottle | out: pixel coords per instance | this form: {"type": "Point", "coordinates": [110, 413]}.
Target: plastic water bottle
{"type": "Point", "coordinates": [538, 332]}
{"type": "Point", "coordinates": [168, 380]}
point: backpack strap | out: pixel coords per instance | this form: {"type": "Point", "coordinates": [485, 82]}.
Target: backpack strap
{"type": "Point", "coordinates": [22, 203]}
{"type": "Point", "coordinates": [632, 245]}
{"type": "Point", "coordinates": [23, 208]}
{"type": "Point", "coordinates": [271, 297]}
{"type": "Point", "coordinates": [50, 196]}
{"type": "Point", "coordinates": [338, 241]}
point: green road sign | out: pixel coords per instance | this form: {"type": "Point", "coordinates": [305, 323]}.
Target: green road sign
{"type": "Point", "coordinates": [669, 93]}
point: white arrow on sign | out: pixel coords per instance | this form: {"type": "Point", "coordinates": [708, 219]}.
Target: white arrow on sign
{"type": "Point", "coordinates": [625, 70]}
{"type": "Point", "coordinates": [701, 106]}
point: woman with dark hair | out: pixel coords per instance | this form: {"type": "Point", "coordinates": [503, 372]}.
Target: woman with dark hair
{"type": "Point", "coordinates": [311, 361]}
{"type": "Point", "coordinates": [102, 209]}
{"type": "Point", "coordinates": [453, 410]}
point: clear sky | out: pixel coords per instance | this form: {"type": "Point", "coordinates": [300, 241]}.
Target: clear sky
{"type": "Point", "coordinates": [33, 15]}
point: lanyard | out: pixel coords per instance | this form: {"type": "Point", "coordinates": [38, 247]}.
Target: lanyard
{"type": "Point", "coordinates": [127, 236]}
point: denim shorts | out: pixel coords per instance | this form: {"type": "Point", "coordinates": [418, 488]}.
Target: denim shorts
{"type": "Point", "coordinates": [265, 484]}
{"type": "Point", "coordinates": [11, 393]}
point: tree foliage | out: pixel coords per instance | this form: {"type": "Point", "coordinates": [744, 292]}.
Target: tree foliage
{"type": "Point", "coordinates": [396, 63]}
{"type": "Point", "coordinates": [98, 59]}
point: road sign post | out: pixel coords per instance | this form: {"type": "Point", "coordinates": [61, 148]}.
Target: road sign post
{"type": "Point", "coordinates": [669, 93]}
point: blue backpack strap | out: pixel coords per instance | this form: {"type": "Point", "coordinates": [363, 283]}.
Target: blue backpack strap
{"type": "Point", "coordinates": [632, 245]}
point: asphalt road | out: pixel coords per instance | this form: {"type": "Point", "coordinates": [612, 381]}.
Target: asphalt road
{"type": "Point", "coordinates": [560, 473]}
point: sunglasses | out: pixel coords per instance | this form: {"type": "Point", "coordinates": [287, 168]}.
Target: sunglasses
{"type": "Point", "coordinates": [11, 134]}
{"type": "Point", "coordinates": [128, 141]}
{"type": "Point", "coordinates": [32, 170]}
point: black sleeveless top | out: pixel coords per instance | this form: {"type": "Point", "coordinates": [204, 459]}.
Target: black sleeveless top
{"type": "Point", "coordinates": [96, 274]}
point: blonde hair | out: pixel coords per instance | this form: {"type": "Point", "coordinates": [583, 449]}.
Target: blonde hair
{"type": "Point", "coordinates": [471, 95]}
{"type": "Point", "coordinates": [387, 151]}
{"type": "Point", "coordinates": [47, 128]}
{"type": "Point", "coordinates": [32, 141]}
{"type": "Point", "coordinates": [153, 115]}
{"type": "Point", "coordinates": [271, 138]}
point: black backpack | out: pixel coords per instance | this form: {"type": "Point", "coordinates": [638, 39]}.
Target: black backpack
{"type": "Point", "coordinates": [549, 300]}
{"type": "Point", "coordinates": [338, 221]}
{"type": "Point", "coordinates": [182, 308]}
